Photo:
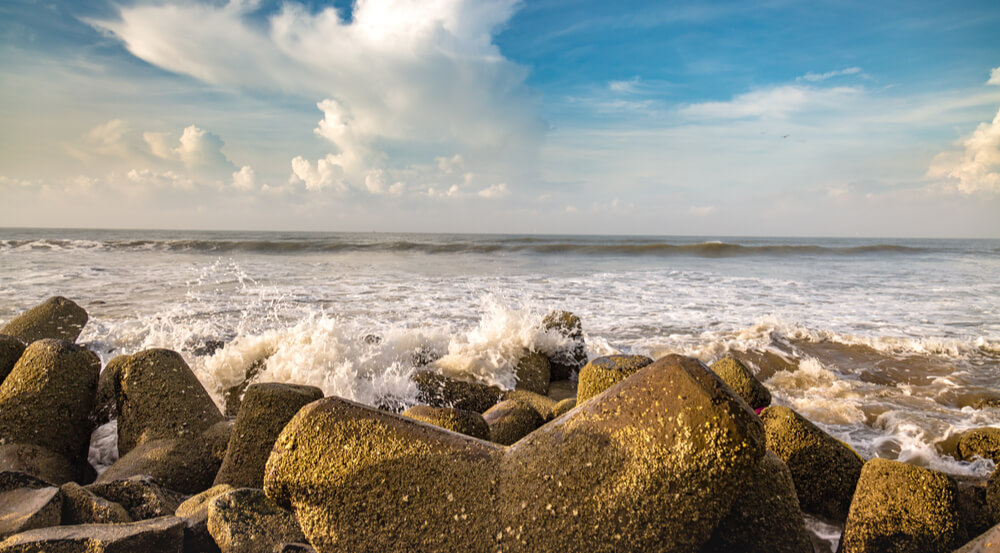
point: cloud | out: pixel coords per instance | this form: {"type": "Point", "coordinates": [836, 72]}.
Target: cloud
{"type": "Point", "coordinates": [975, 168]}
{"type": "Point", "coordinates": [495, 191]}
{"type": "Point", "coordinates": [703, 211]}
{"type": "Point", "coordinates": [994, 77]}
{"type": "Point", "coordinates": [817, 77]}
{"type": "Point", "coordinates": [773, 103]}
{"type": "Point", "coordinates": [626, 87]}
{"type": "Point", "coordinates": [245, 179]}
{"type": "Point", "coordinates": [327, 173]}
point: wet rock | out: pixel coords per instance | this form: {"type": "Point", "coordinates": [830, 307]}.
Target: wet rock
{"type": "Point", "coordinates": [265, 411]}
{"type": "Point", "coordinates": [294, 548]}
{"type": "Point", "coordinates": [57, 318]}
{"type": "Point", "coordinates": [194, 511]}
{"type": "Point", "coordinates": [438, 390]}
{"type": "Point", "coordinates": [46, 401]}
{"type": "Point", "coordinates": [993, 494]}
{"type": "Point", "coordinates": [533, 373]}
{"type": "Point", "coordinates": [209, 347]}
{"type": "Point", "coordinates": [742, 381]}
{"type": "Point", "coordinates": [159, 397]}
{"type": "Point", "coordinates": [563, 407]}
{"type": "Point", "coordinates": [765, 516]}
{"type": "Point", "coordinates": [10, 351]}
{"type": "Point", "coordinates": [511, 420]}
{"type": "Point", "coordinates": [80, 506]}
{"type": "Point", "coordinates": [106, 401]}
{"type": "Point", "coordinates": [233, 396]}
{"type": "Point", "coordinates": [604, 372]}
{"type": "Point", "coordinates": [39, 462]}
{"type": "Point", "coordinates": [562, 389]}
{"type": "Point", "coordinates": [465, 422]}
{"type": "Point", "coordinates": [185, 465]}
{"type": "Point", "coordinates": [247, 521]}
{"type": "Point", "coordinates": [572, 358]}
{"type": "Point", "coordinates": [980, 442]}
{"type": "Point", "coordinates": [825, 470]}
{"type": "Point", "coordinates": [973, 509]}
{"type": "Point", "coordinates": [987, 542]}
{"type": "Point", "coordinates": [543, 405]}
{"type": "Point", "coordinates": [26, 507]}
{"type": "Point", "coordinates": [652, 465]}
{"type": "Point", "coordinates": [160, 535]}
{"type": "Point", "coordinates": [141, 496]}
{"type": "Point", "coordinates": [901, 508]}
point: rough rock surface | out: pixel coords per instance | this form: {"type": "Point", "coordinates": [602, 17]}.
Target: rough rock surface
{"type": "Point", "coordinates": [742, 381]}
{"type": "Point", "coordinates": [56, 317]}
{"type": "Point", "coordinates": [563, 407]}
{"type": "Point", "coordinates": [194, 511]}
{"type": "Point", "coordinates": [604, 372]}
{"type": "Point", "coordinates": [28, 508]}
{"type": "Point", "coordinates": [465, 422]}
{"type": "Point", "coordinates": [233, 396]}
{"type": "Point", "coordinates": [510, 420]}
{"type": "Point", "coordinates": [533, 373]}
{"type": "Point", "coordinates": [543, 405]}
{"type": "Point", "coordinates": [980, 442]}
{"type": "Point", "coordinates": [11, 349]}
{"type": "Point", "coordinates": [141, 496]}
{"type": "Point", "coordinates": [160, 535]}
{"type": "Point", "coordinates": [438, 390]}
{"type": "Point", "coordinates": [973, 509]}
{"type": "Point", "coordinates": [987, 542]}
{"type": "Point", "coordinates": [901, 508]}
{"type": "Point", "coordinates": [185, 465]}
{"type": "Point", "coordinates": [264, 412]}
{"type": "Point", "coordinates": [993, 494]}
{"type": "Point", "coordinates": [572, 358]}
{"type": "Point", "coordinates": [106, 402]}
{"type": "Point", "coordinates": [247, 521]}
{"type": "Point", "coordinates": [39, 462]}
{"type": "Point", "coordinates": [80, 506]}
{"type": "Point", "coordinates": [825, 470]}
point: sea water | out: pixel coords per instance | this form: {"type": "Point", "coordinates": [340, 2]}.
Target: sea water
{"type": "Point", "coordinates": [890, 345]}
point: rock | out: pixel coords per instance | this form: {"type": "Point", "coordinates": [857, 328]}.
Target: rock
{"type": "Point", "coordinates": [106, 401]}
{"type": "Point", "coordinates": [465, 422]}
{"type": "Point", "coordinates": [233, 396]}
{"type": "Point", "coordinates": [604, 372]}
{"type": "Point", "coordinates": [209, 347]}
{"type": "Point", "coordinates": [57, 318]}
{"type": "Point", "coordinates": [194, 511]}
{"type": "Point", "coordinates": [993, 494]}
{"type": "Point", "coordinates": [563, 407]}
{"type": "Point", "coordinates": [980, 442]}
{"type": "Point", "coordinates": [742, 381]}
{"type": "Point", "coordinates": [765, 516]}
{"type": "Point", "coordinates": [10, 351]}
{"type": "Point", "coordinates": [217, 439]}
{"type": "Point", "coordinates": [160, 535]}
{"type": "Point", "coordinates": [987, 542]}
{"type": "Point", "coordinates": [973, 509]}
{"type": "Point", "coordinates": [511, 420]}
{"type": "Point", "coordinates": [159, 397]}
{"type": "Point", "coordinates": [265, 411]}
{"type": "Point", "coordinates": [572, 358]}
{"type": "Point", "coordinates": [141, 496]}
{"type": "Point", "coordinates": [438, 390]}
{"type": "Point", "coordinates": [185, 465]}
{"type": "Point", "coordinates": [543, 405]}
{"type": "Point", "coordinates": [825, 470]}
{"type": "Point", "coordinates": [40, 463]}
{"type": "Point", "coordinates": [46, 401]}
{"type": "Point", "coordinates": [651, 465]}
{"type": "Point", "coordinates": [27, 508]}
{"type": "Point", "coordinates": [901, 508]}
{"type": "Point", "coordinates": [562, 389]}
{"type": "Point", "coordinates": [247, 521]}
{"type": "Point", "coordinates": [532, 372]}
{"type": "Point", "coordinates": [294, 548]}
{"type": "Point", "coordinates": [80, 506]}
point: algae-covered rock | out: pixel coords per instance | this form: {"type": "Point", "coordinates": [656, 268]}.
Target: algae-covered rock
{"type": "Point", "coordinates": [264, 412]}
{"type": "Point", "coordinates": [510, 420]}
{"type": "Point", "coordinates": [825, 470]}
{"type": "Point", "coordinates": [247, 521]}
{"type": "Point", "coordinates": [10, 351]}
{"type": "Point", "coordinates": [901, 508]}
{"type": "Point", "coordinates": [194, 511]}
{"type": "Point", "coordinates": [544, 405]}
{"type": "Point", "coordinates": [159, 397]}
{"type": "Point", "coordinates": [604, 372]}
{"type": "Point", "coordinates": [980, 442]}
{"type": "Point", "coordinates": [563, 407]}
{"type": "Point", "coordinates": [438, 390]}
{"type": "Point", "coordinates": [573, 357]}
{"type": "Point", "coordinates": [465, 422]}
{"type": "Point", "coordinates": [80, 506]}
{"type": "Point", "coordinates": [533, 373]}
{"type": "Point", "coordinates": [185, 465]}
{"type": "Point", "coordinates": [160, 535]}
{"type": "Point", "coordinates": [141, 496]}
{"type": "Point", "coordinates": [57, 318]}
{"type": "Point", "coordinates": [46, 401]}
{"type": "Point", "coordinates": [742, 381]}
{"type": "Point", "coordinates": [27, 508]}
{"type": "Point", "coordinates": [765, 516]}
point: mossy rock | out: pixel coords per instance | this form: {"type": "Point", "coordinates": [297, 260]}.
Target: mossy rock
{"type": "Point", "coordinates": [247, 521]}
{"type": "Point", "coordinates": [160, 535]}
{"type": "Point", "coordinates": [533, 373]}
{"type": "Point", "coordinates": [824, 469]}
{"type": "Point", "coordinates": [563, 407]}
{"type": "Point", "coordinates": [742, 381]}
{"type": "Point", "coordinates": [604, 372]}
{"type": "Point", "coordinates": [80, 506]}
{"type": "Point", "coordinates": [438, 390]}
{"type": "Point", "coordinates": [572, 358]}
{"type": "Point", "coordinates": [465, 422]}
{"type": "Point", "coordinates": [11, 349]}
{"type": "Point", "coordinates": [106, 401]}
{"type": "Point", "coordinates": [901, 508]}
{"type": "Point", "coordinates": [544, 405]}
{"type": "Point", "coordinates": [194, 512]}
{"type": "Point", "coordinates": [185, 465]}
{"type": "Point", "coordinates": [980, 442]}
{"type": "Point", "coordinates": [56, 318]}
{"type": "Point", "coordinates": [993, 494]}
{"type": "Point", "coordinates": [264, 412]}
{"type": "Point", "coordinates": [143, 497]}
{"type": "Point", "coordinates": [233, 396]}
{"type": "Point", "coordinates": [511, 420]}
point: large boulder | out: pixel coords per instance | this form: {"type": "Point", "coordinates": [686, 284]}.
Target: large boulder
{"type": "Point", "coordinates": [185, 465]}
{"type": "Point", "coordinates": [10, 351]}
{"type": "Point", "coordinates": [980, 442]}
{"type": "Point", "coordinates": [81, 506]}
{"type": "Point", "coordinates": [563, 407]}
{"type": "Point", "coordinates": [57, 318]}
{"type": "Point", "coordinates": [437, 390]}
{"type": "Point", "coordinates": [263, 414]}
{"type": "Point", "coordinates": [604, 372]}
{"type": "Point", "coordinates": [159, 397]}
{"type": "Point", "coordinates": [533, 373]}
{"type": "Point", "coordinates": [824, 469]}
{"type": "Point", "coordinates": [510, 420]}
{"type": "Point", "coordinates": [465, 422]}
{"type": "Point", "coordinates": [651, 465]}
{"type": "Point", "coordinates": [247, 521]}
{"type": "Point", "coordinates": [160, 535]}
{"type": "Point", "coordinates": [27, 503]}
{"type": "Point", "coordinates": [734, 373]}
{"type": "Point", "coordinates": [571, 358]}
{"type": "Point", "coordinates": [106, 400]}
{"type": "Point", "coordinates": [900, 508]}
{"type": "Point", "coordinates": [544, 405]}
{"type": "Point", "coordinates": [46, 401]}
{"type": "Point", "coordinates": [141, 496]}
{"type": "Point", "coordinates": [194, 511]}
{"type": "Point", "coordinates": [39, 462]}
{"type": "Point", "coordinates": [973, 508]}
{"type": "Point", "coordinates": [233, 396]}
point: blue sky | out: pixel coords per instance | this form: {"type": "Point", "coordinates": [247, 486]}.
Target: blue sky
{"type": "Point", "coordinates": [726, 118]}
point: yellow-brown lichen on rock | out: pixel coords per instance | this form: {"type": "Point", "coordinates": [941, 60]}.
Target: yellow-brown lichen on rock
{"type": "Point", "coordinates": [734, 373]}
{"type": "Point", "coordinates": [438, 390]}
{"type": "Point", "coordinates": [980, 442]}
{"type": "Point", "coordinates": [544, 405]}
{"type": "Point", "coordinates": [602, 373]}
{"type": "Point", "coordinates": [11, 349]}
{"type": "Point", "coordinates": [510, 420]}
{"type": "Point", "coordinates": [244, 520]}
{"type": "Point", "coordinates": [465, 422]}
{"type": "Point", "coordinates": [563, 407]}
{"type": "Point", "coordinates": [533, 373]}
{"type": "Point", "coordinates": [56, 318]}
{"type": "Point", "coordinates": [185, 465]}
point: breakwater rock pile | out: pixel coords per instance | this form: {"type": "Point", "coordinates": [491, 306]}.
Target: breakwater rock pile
{"type": "Point", "coordinates": [618, 454]}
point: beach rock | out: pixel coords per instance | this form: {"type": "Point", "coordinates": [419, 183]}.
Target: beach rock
{"type": "Point", "coordinates": [80, 506]}
{"type": "Point", "coordinates": [141, 496]}
{"type": "Point", "coordinates": [264, 412]}
{"type": "Point", "coordinates": [247, 521]}
{"type": "Point", "coordinates": [765, 516]}
{"type": "Point", "coordinates": [233, 396]}
{"type": "Point", "coordinates": [217, 438]}
{"type": "Point", "coordinates": [159, 397]}
{"type": "Point", "coordinates": [980, 442]}
{"type": "Point", "coordinates": [185, 465]}
{"type": "Point", "coordinates": [604, 372]}
{"type": "Point", "coordinates": [563, 407]}
{"type": "Point", "coordinates": [10, 351]}
{"type": "Point", "coordinates": [511, 420]}
{"type": "Point", "coordinates": [194, 511]}
{"type": "Point", "coordinates": [294, 548]}
{"type": "Point", "coordinates": [650, 465]}
{"type": "Point", "coordinates": [987, 542]}
{"type": "Point", "coordinates": [543, 405]}
{"type": "Point", "coordinates": [465, 422]}
{"type": "Point", "coordinates": [27, 508]}
{"type": "Point", "coordinates": [825, 470]}
{"type": "Point", "coordinates": [973, 509]}
{"type": "Point", "coordinates": [742, 381]}
{"type": "Point", "coordinates": [46, 401]}
{"type": "Point", "coordinates": [160, 535]}
{"type": "Point", "coordinates": [901, 508]}
{"type": "Point", "coordinates": [572, 358]}
{"type": "Point", "coordinates": [208, 347]}
{"type": "Point", "coordinates": [993, 494]}
{"type": "Point", "coordinates": [532, 372]}
{"type": "Point", "coordinates": [437, 390]}
{"type": "Point", "coordinates": [57, 318]}
{"type": "Point", "coordinates": [562, 389]}
{"type": "Point", "coordinates": [40, 463]}
{"type": "Point", "coordinates": [106, 400]}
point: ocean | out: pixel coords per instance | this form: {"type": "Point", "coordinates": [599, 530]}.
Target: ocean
{"type": "Point", "coordinates": [891, 345]}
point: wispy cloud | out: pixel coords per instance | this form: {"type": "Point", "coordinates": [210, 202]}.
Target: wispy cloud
{"type": "Point", "coordinates": [994, 77]}
{"type": "Point", "coordinates": [775, 103]}
{"type": "Point", "coordinates": [818, 77]}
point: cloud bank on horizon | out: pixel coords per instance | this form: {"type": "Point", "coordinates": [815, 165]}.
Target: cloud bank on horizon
{"type": "Point", "coordinates": [485, 115]}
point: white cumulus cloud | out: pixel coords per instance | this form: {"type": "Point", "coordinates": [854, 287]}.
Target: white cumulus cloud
{"type": "Point", "coordinates": [976, 166]}
{"type": "Point", "coordinates": [245, 178]}
{"type": "Point", "coordinates": [994, 76]}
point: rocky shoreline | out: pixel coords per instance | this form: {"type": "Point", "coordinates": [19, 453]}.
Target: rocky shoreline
{"type": "Point", "coordinates": [634, 455]}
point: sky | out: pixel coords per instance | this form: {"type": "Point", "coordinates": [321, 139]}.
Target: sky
{"type": "Point", "coordinates": [761, 118]}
